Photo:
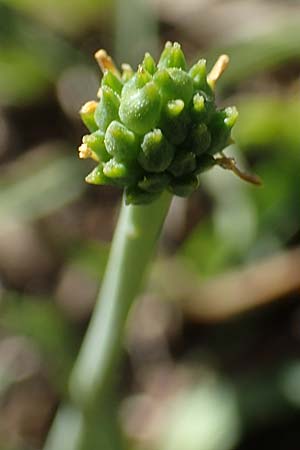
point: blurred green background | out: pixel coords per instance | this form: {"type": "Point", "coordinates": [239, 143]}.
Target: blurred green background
{"type": "Point", "coordinates": [213, 346]}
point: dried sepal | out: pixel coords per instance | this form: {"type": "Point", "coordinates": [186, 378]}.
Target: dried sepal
{"type": "Point", "coordinates": [230, 164]}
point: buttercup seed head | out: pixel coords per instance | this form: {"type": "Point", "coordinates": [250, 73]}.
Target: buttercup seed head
{"type": "Point", "coordinates": [157, 128]}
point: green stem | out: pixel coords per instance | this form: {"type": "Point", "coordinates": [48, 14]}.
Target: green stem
{"type": "Point", "coordinates": [92, 379]}
{"type": "Point", "coordinates": [72, 429]}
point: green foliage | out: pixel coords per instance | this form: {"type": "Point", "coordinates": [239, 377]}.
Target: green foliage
{"type": "Point", "coordinates": [23, 45]}
{"type": "Point", "coordinates": [69, 17]}
{"type": "Point", "coordinates": [55, 176]}
{"type": "Point", "coordinates": [157, 128]}
{"type": "Point", "coordinates": [267, 49]}
{"type": "Point", "coordinates": [41, 321]}
{"type": "Point", "coordinates": [90, 256]}
{"type": "Point", "coordinates": [247, 223]}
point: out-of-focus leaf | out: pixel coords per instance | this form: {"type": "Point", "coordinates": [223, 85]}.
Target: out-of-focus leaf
{"type": "Point", "coordinates": [91, 256]}
{"type": "Point", "coordinates": [290, 382]}
{"type": "Point", "coordinates": [268, 129]}
{"type": "Point", "coordinates": [14, 87]}
{"type": "Point", "coordinates": [38, 319]}
{"type": "Point", "coordinates": [31, 57]}
{"type": "Point", "coordinates": [205, 251]}
{"type": "Point", "coordinates": [264, 51]}
{"type": "Point", "coordinates": [224, 238]}
{"type": "Point", "coordinates": [270, 125]}
{"type": "Point", "coordinates": [135, 33]}
{"type": "Point", "coordinates": [68, 16]}
{"type": "Point", "coordinates": [33, 191]}
{"type": "Point", "coordinates": [249, 222]}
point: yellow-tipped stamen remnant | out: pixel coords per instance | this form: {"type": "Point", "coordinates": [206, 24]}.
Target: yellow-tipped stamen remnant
{"type": "Point", "coordinates": [140, 69]}
{"type": "Point", "coordinates": [99, 92]}
{"type": "Point", "coordinates": [89, 107]}
{"type": "Point", "coordinates": [106, 63]}
{"type": "Point", "coordinates": [230, 164]}
{"type": "Point", "coordinates": [127, 71]}
{"type": "Point", "coordinates": [218, 69]}
{"type": "Point", "coordinates": [126, 67]}
{"type": "Point", "coordinates": [86, 152]}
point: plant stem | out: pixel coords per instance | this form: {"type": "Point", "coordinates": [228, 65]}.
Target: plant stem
{"type": "Point", "coordinates": [92, 379]}
{"type": "Point", "coordinates": [72, 429]}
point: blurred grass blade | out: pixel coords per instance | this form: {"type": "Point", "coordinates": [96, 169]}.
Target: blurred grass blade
{"type": "Point", "coordinates": [263, 52]}
{"type": "Point", "coordinates": [42, 190]}
{"type": "Point", "coordinates": [136, 28]}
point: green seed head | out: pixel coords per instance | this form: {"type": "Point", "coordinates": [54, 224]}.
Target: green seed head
{"type": "Point", "coordinates": [157, 128]}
